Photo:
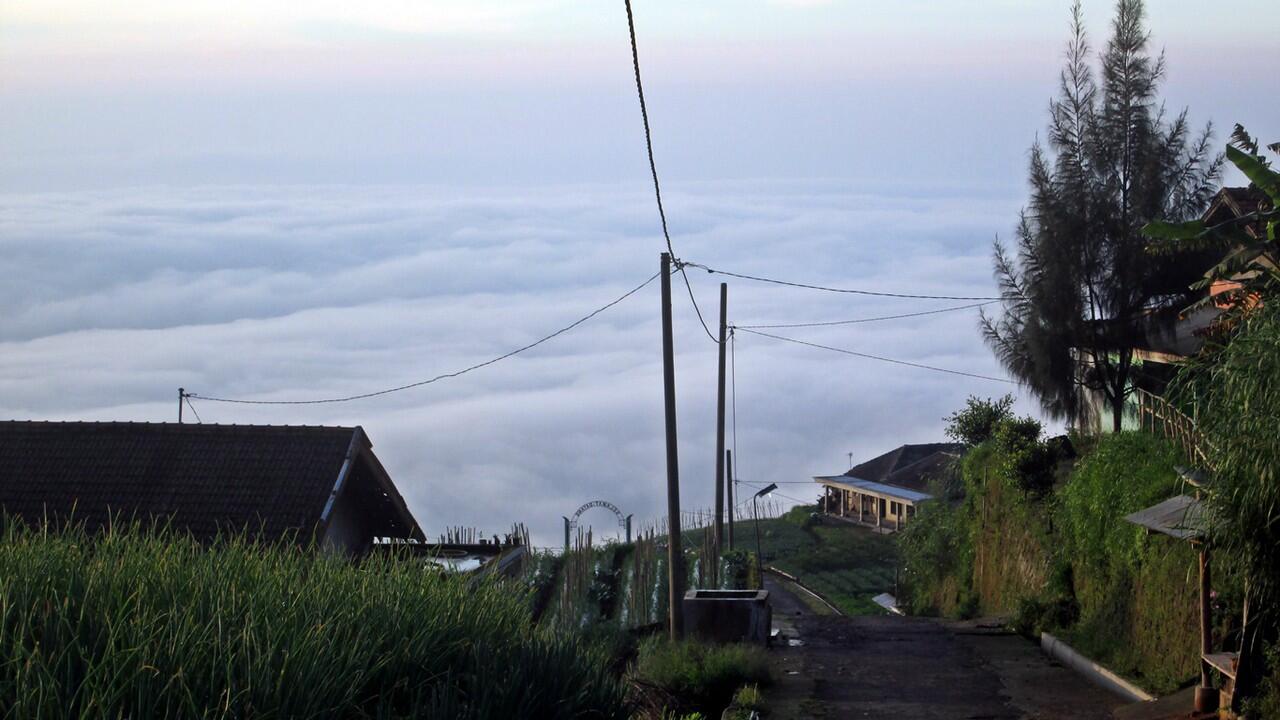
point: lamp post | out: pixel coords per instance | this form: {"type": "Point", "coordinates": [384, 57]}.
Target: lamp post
{"type": "Point", "coordinates": [755, 511]}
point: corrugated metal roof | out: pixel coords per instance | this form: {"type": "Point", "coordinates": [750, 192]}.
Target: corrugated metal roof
{"type": "Point", "coordinates": [1182, 517]}
{"type": "Point", "coordinates": [870, 486]}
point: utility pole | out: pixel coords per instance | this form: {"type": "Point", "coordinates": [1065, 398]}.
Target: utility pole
{"type": "Point", "coordinates": [182, 395]}
{"type": "Point", "coordinates": [675, 551]}
{"type": "Point", "coordinates": [719, 524]}
{"type": "Point", "coordinates": [728, 490]}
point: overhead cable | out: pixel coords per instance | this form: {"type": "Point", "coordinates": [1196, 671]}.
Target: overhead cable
{"type": "Point", "coordinates": [870, 319]}
{"type": "Point", "coordinates": [443, 376]}
{"type": "Point", "coordinates": [775, 492]}
{"type": "Point", "coordinates": [880, 358]}
{"type": "Point", "coordinates": [653, 169]}
{"type": "Point", "coordinates": [187, 398]}
{"type": "Point", "coordinates": [808, 286]}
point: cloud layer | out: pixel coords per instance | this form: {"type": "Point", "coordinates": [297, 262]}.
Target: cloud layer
{"type": "Point", "coordinates": [118, 298]}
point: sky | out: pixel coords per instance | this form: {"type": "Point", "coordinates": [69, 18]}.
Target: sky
{"type": "Point", "coordinates": [271, 200]}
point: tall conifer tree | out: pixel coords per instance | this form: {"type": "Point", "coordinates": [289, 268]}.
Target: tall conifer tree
{"type": "Point", "coordinates": [1078, 288]}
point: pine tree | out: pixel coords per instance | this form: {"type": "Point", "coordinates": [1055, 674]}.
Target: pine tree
{"type": "Point", "coordinates": [1079, 289]}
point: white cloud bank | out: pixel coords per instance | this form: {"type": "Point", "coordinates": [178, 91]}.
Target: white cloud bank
{"type": "Point", "coordinates": [118, 298]}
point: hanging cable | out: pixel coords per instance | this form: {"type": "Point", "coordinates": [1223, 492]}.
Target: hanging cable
{"type": "Point", "coordinates": [808, 286]}
{"type": "Point", "coordinates": [443, 376]}
{"type": "Point", "coordinates": [653, 170]}
{"type": "Point", "coordinates": [733, 374]}
{"type": "Point", "coordinates": [187, 398]}
{"type": "Point", "coordinates": [880, 358]}
{"type": "Point", "coordinates": [870, 319]}
{"type": "Point", "coordinates": [775, 492]}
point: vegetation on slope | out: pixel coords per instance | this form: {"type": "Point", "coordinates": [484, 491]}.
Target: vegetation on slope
{"type": "Point", "coordinates": [1053, 552]}
{"type": "Point", "coordinates": [140, 623]}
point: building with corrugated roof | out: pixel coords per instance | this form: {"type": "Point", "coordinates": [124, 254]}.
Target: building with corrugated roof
{"type": "Point", "coordinates": [885, 491]}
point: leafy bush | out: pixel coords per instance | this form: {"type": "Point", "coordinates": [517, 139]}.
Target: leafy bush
{"type": "Point", "coordinates": [736, 569]}
{"type": "Point", "coordinates": [1125, 473]}
{"type": "Point", "coordinates": [702, 678]}
{"type": "Point", "coordinates": [1027, 461]}
{"type": "Point", "coordinates": [142, 623]}
{"type": "Point", "coordinates": [977, 422]}
{"type": "Point", "coordinates": [936, 546]}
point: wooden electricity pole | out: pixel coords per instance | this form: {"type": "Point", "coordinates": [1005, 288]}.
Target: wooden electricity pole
{"type": "Point", "coordinates": [182, 395]}
{"type": "Point", "coordinates": [675, 550]}
{"type": "Point", "coordinates": [719, 524]}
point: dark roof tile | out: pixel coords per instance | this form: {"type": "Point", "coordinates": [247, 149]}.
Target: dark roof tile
{"type": "Point", "coordinates": [206, 477]}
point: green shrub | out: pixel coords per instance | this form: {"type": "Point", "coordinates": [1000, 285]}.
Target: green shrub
{"type": "Point", "coordinates": [935, 548]}
{"type": "Point", "coordinates": [702, 677]}
{"type": "Point", "coordinates": [736, 569]}
{"type": "Point", "coordinates": [977, 422]}
{"type": "Point", "coordinates": [746, 701]}
{"type": "Point", "coordinates": [142, 623]}
{"type": "Point", "coordinates": [1126, 472]}
{"type": "Point", "coordinates": [1027, 461]}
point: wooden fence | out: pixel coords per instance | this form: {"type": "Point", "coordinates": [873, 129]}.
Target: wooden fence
{"type": "Point", "coordinates": [1158, 415]}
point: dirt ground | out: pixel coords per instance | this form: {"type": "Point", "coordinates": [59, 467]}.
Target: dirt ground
{"type": "Point", "coordinates": [896, 667]}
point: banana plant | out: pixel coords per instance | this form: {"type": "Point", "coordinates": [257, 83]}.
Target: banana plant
{"type": "Point", "coordinates": [1250, 260]}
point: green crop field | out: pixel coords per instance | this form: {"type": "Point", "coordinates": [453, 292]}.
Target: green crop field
{"type": "Point", "coordinates": [848, 565]}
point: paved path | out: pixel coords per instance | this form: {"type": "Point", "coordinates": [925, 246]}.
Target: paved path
{"type": "Point", "coordinates": [895, 667]}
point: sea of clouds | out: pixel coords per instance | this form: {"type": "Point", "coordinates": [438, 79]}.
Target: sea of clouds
{"type": "Point", "coordinates": [115, 299]}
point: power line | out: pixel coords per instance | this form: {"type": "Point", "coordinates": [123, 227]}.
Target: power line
{"type": "Point", "coordinates": [775, 492]}
{"type": "Point", "coordinates": [878, 357]}
{"type": "Point", "coordinates": [187, 398]}
{"type": "Point", "coordinates": [733, 374]}
{"type": "Point", "coordinates": [443, 376]}
{"type": "Point", "coordinates": [653, 168]}
{"type": "Point", "coordinates": [808, 286]}
{"type": "Point", "coordinates": [870, 319]}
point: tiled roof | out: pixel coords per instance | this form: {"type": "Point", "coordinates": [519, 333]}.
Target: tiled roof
{"type": "Point", "coordinates": [206, 477]}
{"type": "Point", "coordinates": [909, 466]}
{"type": "Point", "coordinates": [1234, 202]}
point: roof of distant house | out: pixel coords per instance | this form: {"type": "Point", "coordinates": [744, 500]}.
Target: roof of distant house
{"type": "Point", "coordinates": [266, 479]}
{"type": "Point", "coordinates": [908, 466]}
{"type": "Point", "coordinates": [1235, 202]}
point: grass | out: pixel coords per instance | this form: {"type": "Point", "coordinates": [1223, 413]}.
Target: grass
{"type": "Point", "coordinates": [142, 623]}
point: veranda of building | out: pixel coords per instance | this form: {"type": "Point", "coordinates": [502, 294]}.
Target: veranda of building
{"type": "Point", "coordinates": [868, 502]}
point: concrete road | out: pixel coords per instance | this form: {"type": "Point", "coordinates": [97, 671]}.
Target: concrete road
{"type": "Point", "coordinates": [895, 667]}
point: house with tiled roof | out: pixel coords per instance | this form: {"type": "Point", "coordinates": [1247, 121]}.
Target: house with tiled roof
{"type": "Point", "coordinates": [885, 491]}
{"type": "Point", "coordinates": [272, 482]}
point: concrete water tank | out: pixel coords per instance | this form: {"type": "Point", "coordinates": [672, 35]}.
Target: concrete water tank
{"type": "Point", "coordinates": [727, 616]}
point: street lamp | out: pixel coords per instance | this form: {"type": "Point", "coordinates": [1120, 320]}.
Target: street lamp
{"type": "Point", "coordinates": [755, 511]}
